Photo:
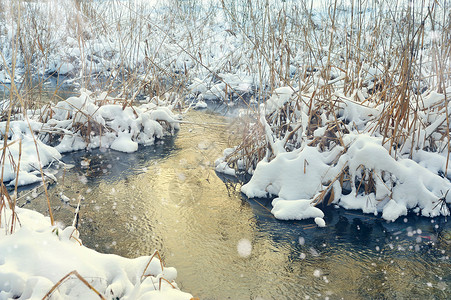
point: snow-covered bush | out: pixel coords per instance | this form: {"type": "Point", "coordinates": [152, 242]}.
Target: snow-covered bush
{"type": "Point", "coordinates": [84, 122]}
{"type": "Point", "coordinates": [106, 122]}
{"type": "Point", "coordinates": [341, 155]}
{"type": "Point", "coordinates": [358, 108]}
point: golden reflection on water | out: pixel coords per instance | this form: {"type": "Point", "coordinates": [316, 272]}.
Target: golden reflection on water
{"type": "Point", "coordinates": [178, 205]}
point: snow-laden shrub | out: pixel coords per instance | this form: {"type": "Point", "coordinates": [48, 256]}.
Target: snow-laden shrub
{"type": "Point", "coordinates": [84, 122]}
{"type": "Point", "coordinates": [88, 122]}
{"type": "Point", "coordinates": [317, 150]}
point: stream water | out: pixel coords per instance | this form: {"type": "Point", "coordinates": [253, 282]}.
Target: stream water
{"type": "Point", "coordinates": [224, 246]}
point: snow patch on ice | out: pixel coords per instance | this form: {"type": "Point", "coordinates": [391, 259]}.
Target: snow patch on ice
{"type": "Point", "coordinates": [295, 209]}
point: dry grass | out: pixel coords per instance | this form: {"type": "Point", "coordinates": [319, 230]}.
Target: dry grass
{"type": "Point", "coordinates": [323, 58]}
{"type": "Point", "coordinates": [79, 277]}
{"type": "Point", "coordinates": [407, 66]}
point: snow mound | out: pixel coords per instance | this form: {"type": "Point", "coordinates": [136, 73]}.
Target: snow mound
{"type": "Point", "coordinates": [393, 210]}
{"type": "Point", "coordinates": [290, 175]}
{"type": "Point", "coordinates": [101, 122]}
{"type": "Point", "coordinates": [295, 209]}
{"type": "Point", "coordinates": [400, 184]}
{"type": "Point", "coordinates": [355, 167]}
{"type": "Point", "coordinates": [37, 255]}
{"type": "Point", "coordinates": [32, 153]}
{"type": "Point", "coordinates": [320, 222]}
{"type": "Point", "coordinates": [200, 105]}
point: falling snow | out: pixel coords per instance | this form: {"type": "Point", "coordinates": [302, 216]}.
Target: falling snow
{"type": "Point", "coordinates": [244, 248]}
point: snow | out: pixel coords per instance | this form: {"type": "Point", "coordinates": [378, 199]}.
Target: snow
{"type": "Point", "coordinates": [284, 176]}
{"type": "Point", "coordinates": [415, 185]}
{"type": "Point", "coordinates": [295, 209]}
{"type": "Point", "coordinates": [37, 255]}
{"type": "Point", "coordinates": [222, 166]}
{"type": "Point", "coordinates": [244, 248]}
{"type": "Point", "coordinates": [25, 178]}
{"type": "Point", "coordinates": [393, 210]}
{"type": "Point", "coordinates": [124, 143]}
{"type": "Point", "coordinates": [412, 179]}
{"type": "Point", "coordinates": [320, 222]}
{"type": "Point", "coordinates": [32, 156]}
{"type": "Point", "coordinates": [200, 105]}
{"type": "Point", "coordinates": [317, 273]}
{"type": "Point", "coordinates": [279, 97]}
{"type": "Point", "coordinates": [84, 122]}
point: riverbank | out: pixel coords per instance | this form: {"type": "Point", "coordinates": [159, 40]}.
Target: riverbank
{"type": "Point", "coordinates": [38, 260]}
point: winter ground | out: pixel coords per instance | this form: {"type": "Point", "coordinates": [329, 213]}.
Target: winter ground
{"type": "Point", "coordinates": [38, 255]}
{"type": "Point", "coordinates": [342, 113]}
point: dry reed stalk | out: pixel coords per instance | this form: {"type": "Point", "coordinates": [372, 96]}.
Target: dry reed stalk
{"type": "Point", "coordinates": [4, 193]}
{"type": "Point", "coordinates": [77, 214]}
{"type": "Point", "coordinates": [322, 195]}
{"type": "Point", "coordinates": [10, 202]}
{"type": "Point", "coordinates": [2, 208]}
{"type": "Point", "coordinates": [161, 279]}
{"type": "Point", "coordinates": [156, 253]}
{"type": "Point", "coordinates": [16, 186]}
{"type": "Point", "coordinates": [52, 220]}
{"type": "Point", "coordinates": [84, 281]}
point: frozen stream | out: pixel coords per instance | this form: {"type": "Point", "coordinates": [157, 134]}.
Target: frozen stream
{"type": "Point", "coordinates": [168, 197]}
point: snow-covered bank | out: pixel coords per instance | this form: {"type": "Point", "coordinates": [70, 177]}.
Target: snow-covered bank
{"type": "Point", "coordinates": [37, 256]}
{"type": "Point", "coordinates": [343, 159]}
{"type": "Point", "coordinates": [84, 122]}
